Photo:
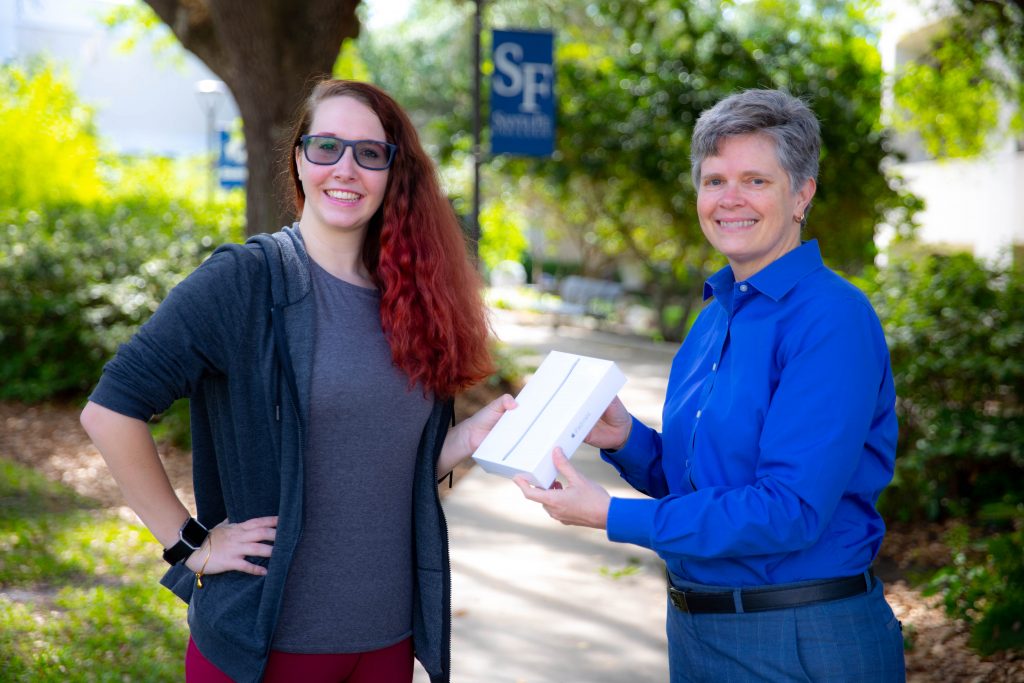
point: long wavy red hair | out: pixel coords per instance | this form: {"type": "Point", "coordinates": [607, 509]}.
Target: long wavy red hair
{"type": "Point", "coordinates": [415, 250]}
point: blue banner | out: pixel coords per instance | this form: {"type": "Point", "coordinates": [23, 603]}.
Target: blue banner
{"type": "Point", "coordinates": [523, 93]}
{"type": "Point", "coordinates": [231, 169]}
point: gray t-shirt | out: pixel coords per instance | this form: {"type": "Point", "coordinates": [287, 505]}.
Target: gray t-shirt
{"type": "Point", "coordinates": [350, 587]}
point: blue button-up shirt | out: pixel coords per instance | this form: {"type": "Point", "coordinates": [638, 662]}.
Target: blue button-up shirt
{"type": "Point", "coordinates": [779, 434]}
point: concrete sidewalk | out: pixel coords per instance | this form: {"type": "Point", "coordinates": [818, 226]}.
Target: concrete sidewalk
{"type": "Point", "coordinates": [537, 602]}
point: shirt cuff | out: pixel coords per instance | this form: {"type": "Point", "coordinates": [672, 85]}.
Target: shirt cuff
{"type": "Point", "coordinates": [631, 520]}
{"type": "Point", "coordinates": [115, 396]}
{"type": "Point", "coordinates": [639, 445]}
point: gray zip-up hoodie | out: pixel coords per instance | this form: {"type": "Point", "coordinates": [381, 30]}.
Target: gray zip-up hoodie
{"type": "Point", "coordinates": [213, 340]}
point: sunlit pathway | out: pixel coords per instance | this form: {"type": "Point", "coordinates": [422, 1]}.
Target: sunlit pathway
{"type": "Point", "coordinates": [538, 602]}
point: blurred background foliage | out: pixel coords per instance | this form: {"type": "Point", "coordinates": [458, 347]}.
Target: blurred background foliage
{"type": "Point", "coordinates": [951, 99]}
{"type": "Point", "coordinates": [632, 80]}
{"type": "Point", "coordinates": [955, 329]}
{"type": "Point", "coordinates": [92, 242]}
{"type": "Point", "coordinates": [51, 153]}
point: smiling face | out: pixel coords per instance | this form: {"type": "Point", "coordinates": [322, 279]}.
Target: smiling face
{"type": "Point", "coordinates": [747, 209]}
{"type": "Point", "coordinates": [341, 197]}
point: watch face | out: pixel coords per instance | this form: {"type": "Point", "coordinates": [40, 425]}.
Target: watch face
{"type": "Point", "coordinates": [193, 533]}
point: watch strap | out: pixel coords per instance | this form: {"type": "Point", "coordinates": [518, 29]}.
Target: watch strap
{"type": "Point", "coordinates": [190, 536]}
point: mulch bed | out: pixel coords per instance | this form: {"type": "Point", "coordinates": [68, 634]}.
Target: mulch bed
{"type": "Point", "coordinates": [49, 439]}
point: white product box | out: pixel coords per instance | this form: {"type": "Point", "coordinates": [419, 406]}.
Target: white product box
{"type": "Point", "coordinates": [558, 407]}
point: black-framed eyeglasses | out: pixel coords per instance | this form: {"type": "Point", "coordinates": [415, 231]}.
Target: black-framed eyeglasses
{"type": "Point", "coordinates": [325, 150]}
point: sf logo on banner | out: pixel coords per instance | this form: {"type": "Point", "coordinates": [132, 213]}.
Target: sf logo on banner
{"type": "Point", "coordinates": [522, 93]}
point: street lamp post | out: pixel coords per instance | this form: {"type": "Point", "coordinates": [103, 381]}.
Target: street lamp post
{"type": "Point", "coordinates": [209, 92]}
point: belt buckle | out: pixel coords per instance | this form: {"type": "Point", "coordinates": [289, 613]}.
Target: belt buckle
{"type": "Point", "coordinates": [678, 599]}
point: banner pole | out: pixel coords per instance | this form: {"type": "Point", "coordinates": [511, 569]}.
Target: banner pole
{"type": "Point", "coordinates": [474, 222]}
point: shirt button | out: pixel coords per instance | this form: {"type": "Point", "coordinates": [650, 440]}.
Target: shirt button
{"type": "Point", "coordinates": [714, 366]}
{"type": "Point", "coordinates": [743, 288]}
{"type": "Point", "coordinates": [698, 413]}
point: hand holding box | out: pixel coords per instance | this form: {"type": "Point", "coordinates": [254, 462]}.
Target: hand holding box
{"type": "Point", "coordinates": [558, 407]}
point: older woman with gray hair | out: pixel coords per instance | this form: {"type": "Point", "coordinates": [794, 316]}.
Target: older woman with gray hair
{"type": "Point", "coordinates": [779, 433]}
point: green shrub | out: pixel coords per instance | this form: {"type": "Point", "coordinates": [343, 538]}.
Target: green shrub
{"type": "Point", "coordinates": [89, 244]}
{"type": "Point", "coordinates": [51, 151]}
{"type": "Point", "coordinates": [955, 329]}
{"type": "Point", "coordinates": [508, 364]}
{"type": "Point", "coordinates": [76, 281]}
{"type": "Point", "coordinates": [502, 236]}
{"type": "Point", "coordinates": [985, 584]}
{"type": "Point", "coordinates": [174, 425]}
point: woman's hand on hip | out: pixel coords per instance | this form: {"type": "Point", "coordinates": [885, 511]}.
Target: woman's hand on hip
{"type": "Point", "coordinates": [231, 543]}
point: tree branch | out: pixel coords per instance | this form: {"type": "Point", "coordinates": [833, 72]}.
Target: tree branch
{"type": "Point", "coordinates": [190, 21]}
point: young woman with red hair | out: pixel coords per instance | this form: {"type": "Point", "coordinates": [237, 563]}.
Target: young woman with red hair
{"type": "Point", "coordinates": [321, 362]}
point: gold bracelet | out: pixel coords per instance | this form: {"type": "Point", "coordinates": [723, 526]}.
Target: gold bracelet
{"type": "Point", "coordinates": [199, 574]}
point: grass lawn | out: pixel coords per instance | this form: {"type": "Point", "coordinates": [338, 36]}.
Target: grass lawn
{"type": "Point", "coordinates": [79, 598]}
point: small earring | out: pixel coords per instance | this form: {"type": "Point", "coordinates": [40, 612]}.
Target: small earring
{"type": "Point", "coordinates": [799, 219]}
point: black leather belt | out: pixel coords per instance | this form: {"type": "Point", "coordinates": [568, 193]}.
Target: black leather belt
{"type": "Point", "coordinates": [768, 598]}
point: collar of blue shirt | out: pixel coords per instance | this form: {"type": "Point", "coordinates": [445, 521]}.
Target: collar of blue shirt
{"type": "Point", "coordinates": [774, 280]}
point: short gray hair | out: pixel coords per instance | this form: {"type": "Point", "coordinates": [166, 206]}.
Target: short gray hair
{"type": "Point", "coordinates": [787, 120]}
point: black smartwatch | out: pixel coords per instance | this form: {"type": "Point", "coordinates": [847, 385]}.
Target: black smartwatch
{"type": "Point", "coordinates": [190, 536]}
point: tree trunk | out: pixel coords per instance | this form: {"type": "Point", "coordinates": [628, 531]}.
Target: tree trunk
{"type": "Point", "coordinates": [269, 54]}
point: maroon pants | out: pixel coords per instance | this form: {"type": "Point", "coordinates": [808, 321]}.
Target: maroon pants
{"type": "Point", "coordinates": [388, 665]}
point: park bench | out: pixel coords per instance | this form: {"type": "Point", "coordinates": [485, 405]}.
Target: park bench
{"type": "Point", "coordinates": [586, 296]}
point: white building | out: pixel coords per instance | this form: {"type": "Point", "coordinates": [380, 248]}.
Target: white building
{"type": "Point", "coordinates": [146, 101]}
{"type": "Point", "coordinates": [975, 204]}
